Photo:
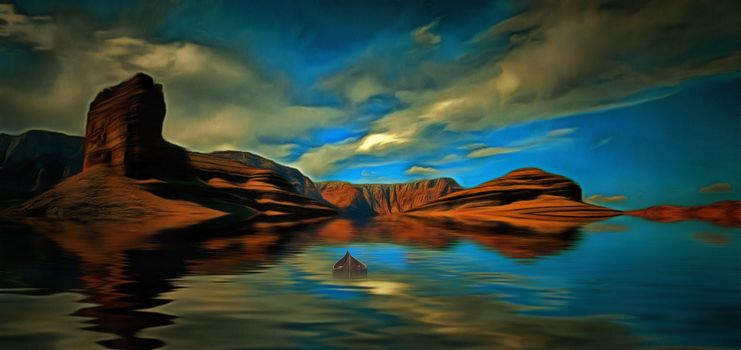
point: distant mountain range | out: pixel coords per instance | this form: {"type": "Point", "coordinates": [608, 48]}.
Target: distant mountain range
{"type": "Point", "coordinates": [124, 171]}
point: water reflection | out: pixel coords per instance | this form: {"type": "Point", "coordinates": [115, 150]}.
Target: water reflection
{"type": "Point", "coordinates": [123, 273]}
{"type": "Point", "coordinates": [212, 281]}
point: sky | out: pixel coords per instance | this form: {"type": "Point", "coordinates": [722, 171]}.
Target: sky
{"type": "Point", "coordinates": [637, 101]}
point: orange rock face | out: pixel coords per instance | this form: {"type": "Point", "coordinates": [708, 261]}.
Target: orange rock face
{"type": "Point", "coordinates": [128, 168]}
{"type": "Point", "coordinates": [725, 213]}
{"type": "Point", "coordinates": [544, 214]}
{"type": "Point", "coordinates": [124, 132]}
{"type": "Point", "coordinates": [299, 181]}
{"type": "Point", "coordinates": [526, 197]}
{"type": "Point", "coordinates": [384, 199]}
{"type": "Point", "coordinates": [257, 188]}
{"type": "Point", "coordinates": [519, 185]}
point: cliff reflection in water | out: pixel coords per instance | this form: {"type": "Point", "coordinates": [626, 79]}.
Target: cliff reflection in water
{"type": "Point", "coordinates": [124, 273]}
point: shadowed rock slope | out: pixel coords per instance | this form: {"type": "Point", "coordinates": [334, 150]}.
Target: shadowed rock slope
{"type": "Point", "coordinates": [299, 181]}
{"type": "Point", "coordinates": [34, 161]}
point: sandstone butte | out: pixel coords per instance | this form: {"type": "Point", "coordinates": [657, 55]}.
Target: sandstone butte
{"type": "Point", "coordinates": [131, 174]}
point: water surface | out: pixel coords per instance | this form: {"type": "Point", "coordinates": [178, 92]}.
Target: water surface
{"type": "Point", "coordinates": [619, 284]}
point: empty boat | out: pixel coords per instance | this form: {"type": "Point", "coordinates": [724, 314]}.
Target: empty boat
{"type": "Point", "coordinates": [348, 267]}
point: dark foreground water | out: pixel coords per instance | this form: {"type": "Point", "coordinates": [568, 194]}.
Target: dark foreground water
{"type": "Point", "coordinates": [620, 284]}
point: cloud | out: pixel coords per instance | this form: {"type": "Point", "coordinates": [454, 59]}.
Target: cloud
{"type": "Point", "coordinates": [720, 187]}
{"type": "Point", "coordinates": [374, 142]}
{"type": "Point", "coordinates": [561, 132]}
{"type": "Point", "coordinates": [558, 59]}
{"type": "Point", "coordinates": [215, 99]}
{"type": "Point", "coordinates": [603, 142]}
{"type": "Point", "coordinates": [320, 161]}
{"type": "Point", "coordinates": [480, 150]}
{"type": "Point", "coordinates": [424, 34]}
{"type": "Point", "coordinates": [598, 198]}
{"type": "Point", "coordinates": [472, 146]}
{"type": "Point", "coordinates": [548, 60]}
{"type": "Point", "coordinates": [492, 151]}
{"type": "Point", "coordinates": [449, 158]}
{"type": "Point", "coordinates": [355, 87]}
{"type": "Point", "coordinates": [566, 57]}
{"type": "Point", "coordinates": [39, 31]}
{"type": "Point", "coordinates": [421, 170]}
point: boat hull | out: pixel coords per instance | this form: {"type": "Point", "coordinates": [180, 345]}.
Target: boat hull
{"type": "Point", "coordinates": [349, 268]}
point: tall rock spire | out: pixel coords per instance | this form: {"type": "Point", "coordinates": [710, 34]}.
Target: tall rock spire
{"type": "Point", "coordinates": [124, 132]}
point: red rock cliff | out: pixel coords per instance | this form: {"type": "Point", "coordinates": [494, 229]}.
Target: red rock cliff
{"type": "Point", "coordinates": [527, 197]}
{"type": "Point", "coordinates": [383, 199]}
{"type": "Point", "coordinates": [124, 132]}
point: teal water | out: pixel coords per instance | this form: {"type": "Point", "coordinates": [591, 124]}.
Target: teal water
{"type": "Point", "coordinates": [620, 284]}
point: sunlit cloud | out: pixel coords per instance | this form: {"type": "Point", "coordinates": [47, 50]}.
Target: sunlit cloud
{"type": "Point", "coordinates": [492, 151]}
{"type": "Point", "coordinates": [449, 158]}
{"type": "Point", "coordinates": [561, 132]}
{"type": "Point", "coordinates": [378, 141]}
{"type": "Point", "coordinates": [421, 170]}
{"type": "Point", "coordinates": [424, 34]}
{"type": "Point", "coordinates": [599, 198]}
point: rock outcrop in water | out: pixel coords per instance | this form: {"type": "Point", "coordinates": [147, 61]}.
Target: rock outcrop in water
{"type": "Point", "coordinates": [124, 132]}
{"type": "Point", "coordinates": [527, 197]}
{"type": "Point", "coordinates": [518, 185]}
{"type": "Point", "coordinates": [725, 213]}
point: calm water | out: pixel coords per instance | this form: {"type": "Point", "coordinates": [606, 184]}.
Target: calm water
{"type": "Point", "coordinates": [620, 284]}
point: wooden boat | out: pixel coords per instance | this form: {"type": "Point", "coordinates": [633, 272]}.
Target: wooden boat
{"type": "Point", "coordinates": [348, 267]}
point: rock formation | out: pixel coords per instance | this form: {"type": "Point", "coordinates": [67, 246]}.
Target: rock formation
{"type": "Point", "coordinates": [526, 197]}
{"type": "Point", "coordinates": [384, 199]}
{"type": "Point", "coordinates": [128, 172]}
{"type": "Point", "coordinates": [300, 182]}
{"type": "Point", "coordinates": [518, 185]}
{"type": "Point", "coordinates": [36, 160]}
{"type": "Point", "coordinates": [129, 169]}
{"type": "Point", "coordinates": [725, 213]}
{"type": "Point", "coordinates": [124, 132]}
{"type": "Point", "coordinates": [260, 189]}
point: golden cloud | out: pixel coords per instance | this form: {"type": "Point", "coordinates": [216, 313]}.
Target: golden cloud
{"type": "Point", "coordinates": [598, 198]}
